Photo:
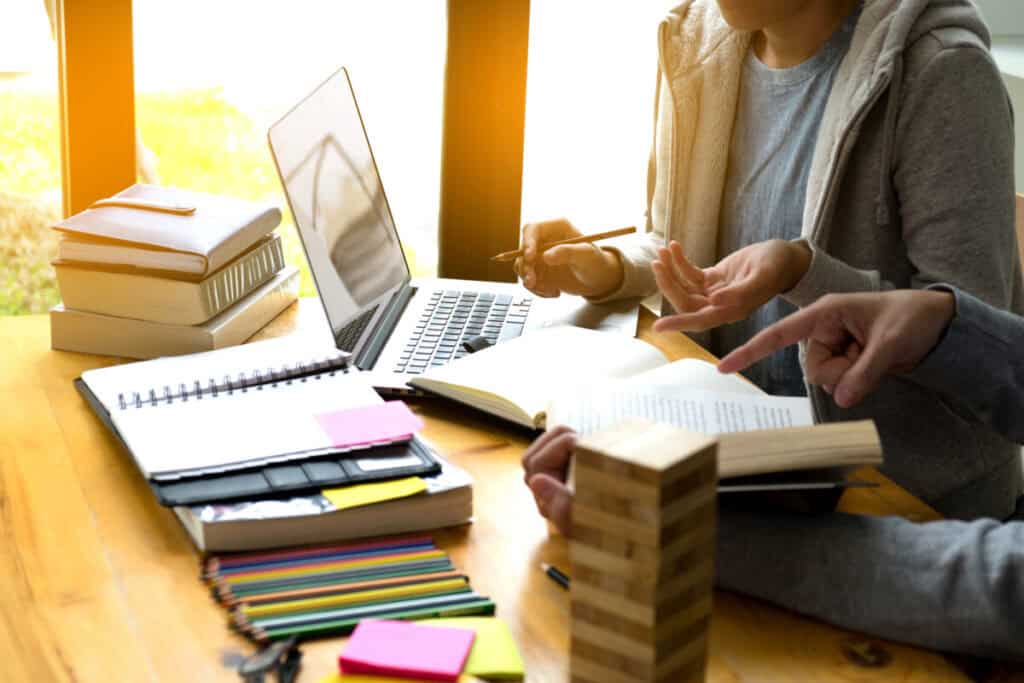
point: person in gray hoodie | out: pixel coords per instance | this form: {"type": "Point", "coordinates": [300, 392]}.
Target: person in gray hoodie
{"type": "Point", "coordinates": [948, 585]}
{"type": "Point", "coordinates": [807, 147]}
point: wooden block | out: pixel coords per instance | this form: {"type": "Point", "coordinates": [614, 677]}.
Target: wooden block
{"type": "Point", "coordinates": [591, 563]}
{"type": "Point", "coordinates": [642, 554]}
{"type": "Point", "coordinates": [598, 654]}
{"type": "Point", "coordinates": [645, 503]}
{"type": "Point", "coordinates": [599, 480]}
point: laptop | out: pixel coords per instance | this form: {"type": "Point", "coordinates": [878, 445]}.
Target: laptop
{"type": "Point", "coordinates": [394, 326]}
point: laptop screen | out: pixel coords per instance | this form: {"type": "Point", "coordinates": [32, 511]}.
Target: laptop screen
{"type": "Point", "coordinates": [337, 199]}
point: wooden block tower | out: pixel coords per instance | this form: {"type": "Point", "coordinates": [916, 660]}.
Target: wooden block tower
{"type": "Point", "coordinates": [642, 554]}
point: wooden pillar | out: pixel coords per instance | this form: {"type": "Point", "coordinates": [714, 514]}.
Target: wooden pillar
{"type": "Point", "coordinates": [642, 554]}
{"type": "Point", "coordinates": [97, 99]}
{"type": "Point", "coordinates": [482, 143]}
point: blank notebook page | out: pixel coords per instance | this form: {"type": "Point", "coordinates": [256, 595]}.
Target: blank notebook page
{"type": "Point", "coordinates": [258, 425]}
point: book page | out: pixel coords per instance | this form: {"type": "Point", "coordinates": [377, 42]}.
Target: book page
{"type": "Point", "coordinates": [691, 373]}
{"type": "Point", "coordinates": [708, 412]}
{"type": "Point", "coordinates": [527, 371]}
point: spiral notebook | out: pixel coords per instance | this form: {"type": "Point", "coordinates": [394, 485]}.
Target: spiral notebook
{"type": "Point", "coordinates": [260, 404]}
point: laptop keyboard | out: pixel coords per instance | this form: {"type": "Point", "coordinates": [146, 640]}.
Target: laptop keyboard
{"type": "Point", "coordinates": [452, 317]}
{"type": "Point", "coordinates": [351, 333]}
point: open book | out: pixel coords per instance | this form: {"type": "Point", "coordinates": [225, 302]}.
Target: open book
{"type": "Point", "coordinates": [523, 379]}
{"type": "Point", "coordinates": [591, 381]}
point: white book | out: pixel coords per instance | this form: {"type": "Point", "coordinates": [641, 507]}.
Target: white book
{"type": "Point", "coordinates": [161, 297]}
{"type": "Point", "coordinates": [109, 335]}
{"type": "Point", "coordinates": [272, 523]}
{"type": "Point", "coordinates": [165, 228]}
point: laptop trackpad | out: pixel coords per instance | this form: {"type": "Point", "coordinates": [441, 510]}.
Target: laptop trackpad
{"type": "Point", "coordinates": [617, 317]}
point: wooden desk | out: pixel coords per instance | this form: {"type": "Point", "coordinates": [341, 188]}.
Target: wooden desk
{"type": "Point", "coordinates": [99, 583]}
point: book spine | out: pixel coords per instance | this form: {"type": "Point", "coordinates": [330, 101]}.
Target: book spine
{"type": "Point", "coordinates": [234, 281]}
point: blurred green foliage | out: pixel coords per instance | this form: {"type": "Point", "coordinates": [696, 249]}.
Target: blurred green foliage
{"type": "Point", "coordinates": [199, 141]}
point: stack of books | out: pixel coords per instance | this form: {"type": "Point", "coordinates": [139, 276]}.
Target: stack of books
{"type": "Point", "coordinates": [276, 443]}
{"type": "Point", "coordinates": [313, 517]}
{"type": "Point", "coordinates": [157, 271]}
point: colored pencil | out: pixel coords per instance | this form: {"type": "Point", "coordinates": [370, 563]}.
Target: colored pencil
{"type": "Point", "coordinates": [265, 598]}
{"type": "Point", "coordinates": [332, 565]}
{"type": "Point", "coordinates": [479, 606]}
{"type": "Point", "coordinates": [226, 591]}
{"type": "Point", "coordinates": [330, 622]}
{"type": "Point", "coordinates": [326, 590]}
{"type": "Point", "coordinates": [227, 564]}
{"type": "Point", "coordinates": [354, 598]}
{"type": "Point", "coordinates": [360, 611]}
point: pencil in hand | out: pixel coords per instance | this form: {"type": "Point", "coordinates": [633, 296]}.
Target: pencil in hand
{"type": "Point", "coordinates": [513, 255]}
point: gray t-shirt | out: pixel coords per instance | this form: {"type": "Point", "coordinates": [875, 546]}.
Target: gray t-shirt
{"type": "Point", "coordinates": [776, 128]}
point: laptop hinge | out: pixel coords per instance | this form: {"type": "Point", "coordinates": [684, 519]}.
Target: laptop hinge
{"type": "Point", "coordinates": [367, 356]}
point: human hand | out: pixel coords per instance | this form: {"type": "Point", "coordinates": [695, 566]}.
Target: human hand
{"type": "Point", "coordinates": [855, 339]}
{"type": "Point", "coordinates": [545, 465]}
{"type": "Point", "coordinates": [731, 289]}
{"type": "Point", "coordinates": [584, 269]}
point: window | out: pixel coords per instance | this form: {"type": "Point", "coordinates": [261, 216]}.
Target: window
{"type": "Point", "coordinates": [212, 76]}
{"type": "Point", "coordinates": [589, 111]}
{"type": "Point", "coordinates": [1004, 17]}
{"type": "Point", "coordinates": [30, 189]}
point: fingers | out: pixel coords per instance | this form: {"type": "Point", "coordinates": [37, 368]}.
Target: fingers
{"type": "Point", "coordinates": [824, 366]}
{"type": "Point", "coordinates": [789, 330]}
{"type": "Point", "coordinates": [550, 453]}
{"type": "Point", "coordinates": [525, 264]}
{"type": "Point", "coordinates": [580, 255]}
{"type": "Point", "coordinates": [533, 268]}
{"type": "Point", "coordinates": [554, 501]}
{"type": "Point", "coordinates": [863, 376]}
{"type": "Point", "coordinates": [681, 274]}
{"type": "Point", "coordinates": [705, 318]}
{"type": "Point", "coordinates": [687, 271]}
{"type": "Point", "coordinates": [681, 299]}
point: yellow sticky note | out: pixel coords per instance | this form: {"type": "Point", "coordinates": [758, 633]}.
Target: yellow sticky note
{"type": "Point", "coordinates": [494, 653]}
{"type": "Point", "coordinates": [367, 494]}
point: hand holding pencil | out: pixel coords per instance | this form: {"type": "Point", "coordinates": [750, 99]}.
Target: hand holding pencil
{"type": "Point", "coordinates": [556, 257]}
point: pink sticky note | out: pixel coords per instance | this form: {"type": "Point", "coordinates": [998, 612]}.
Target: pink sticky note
{"type": "Point", "coordinates": [382, 423]}
{"type": "Point", "coordinates": [407, 650]}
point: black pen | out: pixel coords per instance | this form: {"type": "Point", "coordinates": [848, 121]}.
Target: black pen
{"type": "Point", "coordinates": [556, 575]}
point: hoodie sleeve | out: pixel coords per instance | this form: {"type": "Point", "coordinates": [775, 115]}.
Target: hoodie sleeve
{"type": "Point", "coordinates": [636, 252]}
{"type": "Point", "coordinates": [951, 179]}
{"type": "Point", "coordinates": [978, 367]}
{"type": "Point", "coordinates": [947, 585]}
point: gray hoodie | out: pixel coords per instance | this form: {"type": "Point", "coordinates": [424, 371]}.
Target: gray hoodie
{"type": "Point", "coordinates": [911, 184]}
{"type": "Point", "coordinates": [948, 585]}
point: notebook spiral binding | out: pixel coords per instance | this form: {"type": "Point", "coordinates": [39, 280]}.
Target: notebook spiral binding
{"type": "Point", "coordinates": [257, 380]}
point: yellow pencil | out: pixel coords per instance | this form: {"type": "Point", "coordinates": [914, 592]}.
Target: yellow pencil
{"type": "Point", "coordinates": [336, 565]}
{"type": "Point", "coordinates": [308, 604]}
{"type": "Point", "coordinates": [513, 255]}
